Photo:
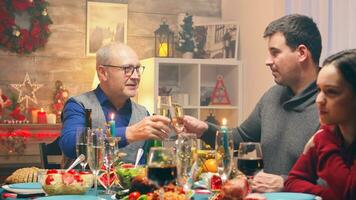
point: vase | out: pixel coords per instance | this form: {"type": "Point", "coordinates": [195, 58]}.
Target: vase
{"type": "Point", "coordinates": [187, 54]}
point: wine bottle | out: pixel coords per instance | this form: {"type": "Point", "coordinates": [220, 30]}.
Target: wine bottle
{"type": "Point", "coordinates": [88, 121]}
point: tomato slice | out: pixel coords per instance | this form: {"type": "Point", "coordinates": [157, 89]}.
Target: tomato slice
{"type": "Point", "coordinates": [134, 195]}
{"type": "Point", "coordinates": [127, 165]}
{"type": "Point", "coordinates": [52, 171]}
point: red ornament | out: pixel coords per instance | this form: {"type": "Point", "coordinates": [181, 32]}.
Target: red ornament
{"type": "Point", "coordinates": [219, 95]}
{"type": "Point", "coordinates": [16, 114]}
{"type": "Point", "coordinates": [215, 183]}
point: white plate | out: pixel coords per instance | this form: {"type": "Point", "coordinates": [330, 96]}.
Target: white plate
{"type": "Point", "coordinates": [290, 196]}
{"type": "Point", "coordinates": [24, 188]}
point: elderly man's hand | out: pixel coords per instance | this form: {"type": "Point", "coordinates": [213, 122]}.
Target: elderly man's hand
{"type": "Point", "coordinates": [264, 182]}
{"type": "Point", "coordinates": [194, 125]}
{"type": "Point", "coordinates": [152, 127]}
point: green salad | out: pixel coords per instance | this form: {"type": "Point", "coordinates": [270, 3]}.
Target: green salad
{"type": "Point", "coordinates": [126, 173]}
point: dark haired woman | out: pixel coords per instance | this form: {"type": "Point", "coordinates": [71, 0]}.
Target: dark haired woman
{"type": "Point", "coordinates": [330, 154]}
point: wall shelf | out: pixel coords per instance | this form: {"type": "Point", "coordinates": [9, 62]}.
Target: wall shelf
{"type": "Point", "coordinates": [192, 80]}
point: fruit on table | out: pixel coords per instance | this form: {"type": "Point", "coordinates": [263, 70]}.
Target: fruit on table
{"type": "Point", "coordinates": [236, 188]}
{"type": "Point", "coordinates": [210, 166]}
{"type": "Point", "coordinates": [134, 195]}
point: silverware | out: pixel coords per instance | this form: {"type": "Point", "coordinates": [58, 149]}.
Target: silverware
{"type": "Point", "coordinates": [80, 159]}
{"type": "Point", "coordinates": [138, 156]}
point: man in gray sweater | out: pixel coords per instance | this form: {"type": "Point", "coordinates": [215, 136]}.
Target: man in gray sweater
{"type": "Point", "coordinates": [286, 116]}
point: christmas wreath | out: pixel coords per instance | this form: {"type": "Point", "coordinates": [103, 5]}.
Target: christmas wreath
{"type": "Point", "coordinates": [21, 40]}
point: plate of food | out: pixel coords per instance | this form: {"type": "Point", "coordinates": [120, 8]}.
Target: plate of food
{"type": "Point", "coordinates": [24, 188]}
{"type": "Point", "coordinates": [67, 197]}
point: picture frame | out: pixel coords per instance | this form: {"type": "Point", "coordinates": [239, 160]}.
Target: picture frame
{"type": "Point", "coordinates": [217, 40]}
{"type": "Point", "coordinates": [106, 22]}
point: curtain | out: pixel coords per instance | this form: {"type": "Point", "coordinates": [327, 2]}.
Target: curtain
{"type": "Point", "coordinates": [335, 19]}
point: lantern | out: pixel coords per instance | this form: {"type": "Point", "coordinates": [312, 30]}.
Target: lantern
{"type": "Point", "coordinates": [164, 41]}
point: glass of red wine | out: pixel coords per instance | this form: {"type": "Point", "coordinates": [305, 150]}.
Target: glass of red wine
{"type": "Point", "coordinates": [161, 167]}
{"type": "Point", "coordinates": [249, 159]}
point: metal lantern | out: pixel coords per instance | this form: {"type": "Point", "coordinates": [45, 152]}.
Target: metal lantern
{"type": "Point", "coordinates": [164, 41]}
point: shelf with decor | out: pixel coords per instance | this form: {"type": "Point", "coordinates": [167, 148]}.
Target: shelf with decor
{"type": "Point", "coordinates": [192, 82]}
{"type": "Point", "coordinates": [19, 145]}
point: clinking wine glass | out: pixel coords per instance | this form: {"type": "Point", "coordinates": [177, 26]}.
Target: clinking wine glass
{"type": "Point", "coordinates": [82, 144]}
{"type": "Point", "coordinates": [224, 153]}
{"type": "Point", "coordinates": [161, 167]}
{"type": "Point", "coordinates": [249, 159]}
{"type": "Point", "coordinates": [95, 153]}
{"type": "Point", "coordinates": [177, 117]}
{"type": "Point", "coordinates": [174, 111]}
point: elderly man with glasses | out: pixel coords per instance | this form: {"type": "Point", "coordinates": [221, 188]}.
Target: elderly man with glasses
{"type": "Point", "coordinates": [119, 73]}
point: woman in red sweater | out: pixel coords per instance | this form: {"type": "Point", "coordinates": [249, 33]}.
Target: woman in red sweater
{"type": "Point", "coordinates": [330, 154]}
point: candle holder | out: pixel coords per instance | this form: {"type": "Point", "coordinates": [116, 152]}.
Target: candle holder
{"type": "Point", "coordinates": [164, 40]}
{"type": "Point", "coordinates": [224, 148]}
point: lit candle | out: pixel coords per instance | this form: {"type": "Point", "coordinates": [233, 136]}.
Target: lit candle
{"type": "Point", "coordinates": [34, 115]}
{"type": "Point", "coordinates": [112, 124]}
{"type": "Point", "coordinates": [225, 131]}
{"type": "Point", "coordinates": [51, 118]}
{"type": "Point", "coordinates": [163, 49]}
{"type": "Point", "coordinates": [41, 117]}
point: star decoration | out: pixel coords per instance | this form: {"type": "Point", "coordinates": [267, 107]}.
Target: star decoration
{"type": "Point", "coordinates": [27, 90]}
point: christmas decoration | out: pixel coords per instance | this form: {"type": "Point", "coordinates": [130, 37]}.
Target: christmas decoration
{"type": "Point", "coordinates": [164, 40]}
{"type": "Point", "coordinates": [4, 102]}
{"type": "Point", "coordinates": [19, 39]}
{"type": "Point", "coordinates": [186, 42]}
{"type": "Point", "coordinates": [14, 141]}
{"type": "Point", "coordinates": [60, 97]}
{"type": "Point", "coordinates": [219, 95]}
{"type": "Point", "coordinates": [27, 90]}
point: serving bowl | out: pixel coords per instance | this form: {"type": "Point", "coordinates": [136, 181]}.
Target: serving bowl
{"type": "Point", "coordinates": [59, 182]}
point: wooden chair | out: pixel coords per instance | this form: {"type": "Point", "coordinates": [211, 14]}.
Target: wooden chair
{"type": "Point", "coordinates": [50, 152]}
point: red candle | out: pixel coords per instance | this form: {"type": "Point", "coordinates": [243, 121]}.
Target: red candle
{"type": "Point", "coordinates": [41, 117]}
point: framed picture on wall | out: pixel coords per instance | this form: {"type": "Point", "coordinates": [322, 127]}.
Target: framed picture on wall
{"type": "Point", "coordinates": [106, 22]}
{"type": "Point", "coordinates": [217, 40]}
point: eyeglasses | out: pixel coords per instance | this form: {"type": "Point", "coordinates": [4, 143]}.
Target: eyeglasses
{"type": "Point", "coordinates": [129, 70]}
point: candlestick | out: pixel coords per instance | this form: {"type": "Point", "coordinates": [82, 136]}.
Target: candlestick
{"type": "Point", "coordinates": [163, 49]}
{"type": "Point", "coordinates": [41, 117]}
{"type": "Point", "coordinates": [34, 115]}
{"type": "Point", "coordinates": [225, 140]}
{"type": "Point", "coordinates": [51, 118]}
{"type": "Point", "coordinates": [112, 124]}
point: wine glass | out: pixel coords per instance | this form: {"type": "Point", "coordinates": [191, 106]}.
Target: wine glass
{"type": "Point", "coordinates": [82, 144]}
{"type": "Point", "coordinates": [164, 106]}
{"type": "Point", "coordinates": [177, 117]}
{"type": "Point", "coordinates": [110, 155]}
{"type": "Point", "coordinates": [224, 153]}
{"type": "Point", "coordinates": [249, 159]}
{"type": "Point", "coordinates": [161, 167]}
{"type": "Point", "coordinates": [95, 153]}
{"type": "Point", "coordinates": [186, 159]}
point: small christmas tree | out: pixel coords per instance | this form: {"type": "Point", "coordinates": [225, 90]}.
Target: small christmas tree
{"type": "Point", "coordinates": [186, 41]}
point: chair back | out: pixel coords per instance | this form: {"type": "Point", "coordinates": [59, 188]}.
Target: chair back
{"type": "Point", "coordinates": [50, 155]}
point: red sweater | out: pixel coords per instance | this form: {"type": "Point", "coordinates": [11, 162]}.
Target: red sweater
{"type": "Point", "coordinates": [329, 160]}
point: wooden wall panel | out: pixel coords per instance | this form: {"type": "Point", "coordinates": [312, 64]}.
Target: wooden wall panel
{"type": "Point", "coordinates": [63, 57]}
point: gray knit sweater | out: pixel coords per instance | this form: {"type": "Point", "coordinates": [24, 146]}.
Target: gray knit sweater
{"type": "Point", "coordinates": [283, 123]}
